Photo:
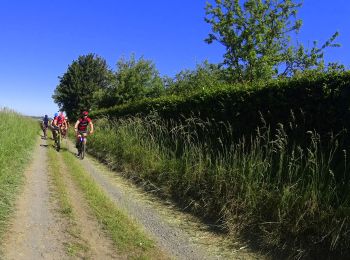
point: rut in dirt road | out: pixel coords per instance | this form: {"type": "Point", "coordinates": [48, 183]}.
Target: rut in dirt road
{"type": "Point", "coordinates": [96, 244]}
{"type": "Point", "coordinates": [35, 231]}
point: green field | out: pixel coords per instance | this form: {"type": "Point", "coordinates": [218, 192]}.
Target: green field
{"type": "Point", "coordinates": [18, 135]}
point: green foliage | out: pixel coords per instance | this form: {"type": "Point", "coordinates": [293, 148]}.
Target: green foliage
{"type": "Point", "coordinates": [205, 75]}
{"type": "Point", "coordinates": [317, 100]}
{"type": "Point", "coordinates": [134, 80]}
{"type": "Point", "coordinates": [84, 76]}
{"type": "Point", "coordinates": [290, 197]}
{"type": "Point", "coordinates": [137, 79]}
{"type": "Point", "coordinates": [256, 35]}
{"type": "Point", "coordinates": [17, 139]}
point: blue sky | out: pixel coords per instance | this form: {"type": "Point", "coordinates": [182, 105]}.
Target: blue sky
{"type": "Point", "coordinates": [39, 39]}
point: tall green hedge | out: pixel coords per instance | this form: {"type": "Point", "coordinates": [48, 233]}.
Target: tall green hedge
{"type": "Point", "coordinates": [286, 196]}
{"type": "Point", "coordinates": [318, 102]}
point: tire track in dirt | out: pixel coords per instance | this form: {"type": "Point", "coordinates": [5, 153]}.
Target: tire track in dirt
{"type": "Point", "coordinates": [35, 232]}
{"type": "Point", "coordinates": [98, 245]}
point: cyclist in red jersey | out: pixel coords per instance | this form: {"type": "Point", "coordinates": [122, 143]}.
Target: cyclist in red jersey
{"type": "Point", "coordinates": [59, 123]}
{"type": "Point", "coordinates": [62, 122]}
{"type": "Point", "coordinates": [81, 127]}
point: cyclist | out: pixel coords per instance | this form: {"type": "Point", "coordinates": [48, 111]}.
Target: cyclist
{"type": "Point", "coordinates": [54, 126]}
{"type": "Point", "coordinates": [58, 124]}
{"type": "Point", "coordinates": [45, 125]}
{"type": "Point", "coordinates": [81, 126]}
{"type": "Point", "coordinates": [67, 126]}
{"type": "Point", "coordinates": [62, 122]}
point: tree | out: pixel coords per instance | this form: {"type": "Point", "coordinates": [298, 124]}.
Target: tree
{"type": "Point", "coordinates": [83, 77]}
{"type": "Point", "coordinates": [136, 79]}
{"type": "Point", "coordinates": [205, 75]}
{"type": "Point", "coordinates": [257, 37]}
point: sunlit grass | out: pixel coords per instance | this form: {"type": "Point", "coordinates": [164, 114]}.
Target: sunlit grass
{"type": "Point", "coordinates": [266, 185]}
{"type": "Point", "coordinates": [76, 245]}
{"type": "Point", "coordinates": [18, 135]}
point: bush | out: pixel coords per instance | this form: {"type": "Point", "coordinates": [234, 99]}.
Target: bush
{"type": "Point", "coordinates": [316, 102]}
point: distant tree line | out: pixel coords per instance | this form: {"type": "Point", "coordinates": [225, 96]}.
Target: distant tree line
{"type": "Point", "coordinates": [257, 36]}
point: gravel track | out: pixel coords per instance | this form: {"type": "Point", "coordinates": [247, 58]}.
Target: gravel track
{"type": "Point", "coordinates": [35, 231]}
{"type": "Point", "coordinates": [90, 234]}
{"type": "Point", "coordinates": [172, 239]}
{"type": "Point", "coordinates": [38, 232]}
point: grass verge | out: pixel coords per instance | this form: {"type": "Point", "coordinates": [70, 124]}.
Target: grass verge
{"type": "Point", "coordinates": [18, 136]}
{"type": "Point", "coordinates": [125, 234]}
{"type": "Point", "coordinates": [74, 247]}
{"type": "Point", "coordinates": [291, 199]}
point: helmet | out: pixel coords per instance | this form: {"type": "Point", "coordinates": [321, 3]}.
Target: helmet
{"type": "Point", "coordinates": [56, 114]}
{"type": "Point", "coordinates": [85, 113]}
{"type": "Point", "coordinates": [45, 116]}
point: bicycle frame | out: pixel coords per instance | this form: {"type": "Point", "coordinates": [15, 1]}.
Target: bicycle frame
{"type": "Point", "coordinates": [81, 138]}
{"type": "Point", "coordinates": [45, 131]}
{"type": "Point", "coordinates": [58, 139]}
{"type": "Point", "coordinates": [81, 146]}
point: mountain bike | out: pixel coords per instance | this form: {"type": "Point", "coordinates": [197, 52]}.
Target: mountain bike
{"type": "Point", "coordinates": [64, 133]}
{"type": "Point", "coordinates": [58, 138]}
{"type": "Point", "coordinates": [44, 127]}
{"type": "Point", "coordinates": [81, 146]}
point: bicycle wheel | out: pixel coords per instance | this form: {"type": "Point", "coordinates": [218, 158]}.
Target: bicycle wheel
{"type": "Point", "coordinates": [82, 151]}
{"type": "Point", "coordinates": [58, 144]}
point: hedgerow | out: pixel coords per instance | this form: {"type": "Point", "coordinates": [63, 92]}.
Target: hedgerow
{"type": "Point", "coordinates": [317, 101]}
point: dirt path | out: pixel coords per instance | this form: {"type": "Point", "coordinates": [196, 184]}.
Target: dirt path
{"type": "Point", "coordinates": [35, 232]}
{"type": "Point", "coordinates": [165, 226]}
{"type": "Point", "coordinates": [38, 231]}
{"type": "Point", "coordinates": [96, 244]}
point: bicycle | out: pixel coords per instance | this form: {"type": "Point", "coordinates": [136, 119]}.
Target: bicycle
{"type": "Point", "coordinates": [45, 131]}
{"type": "Point", "coordinates": [81, 146]}
{"type": "Point", "coordinates": [58, 138]}
{"type": "Point", "coordinates": [64, 133]}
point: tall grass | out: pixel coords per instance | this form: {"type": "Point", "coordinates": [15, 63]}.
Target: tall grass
{"type": "Point", "coordinates": [17, 138]}
{"type": "Point", "coordinates": [295, 198]}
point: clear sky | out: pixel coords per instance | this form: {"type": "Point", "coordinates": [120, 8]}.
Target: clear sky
{"type": "Point", "coordinates": [40, 38]}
